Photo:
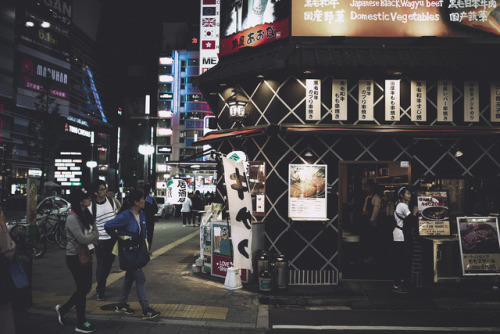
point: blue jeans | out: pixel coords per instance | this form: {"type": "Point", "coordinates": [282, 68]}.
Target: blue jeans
{"type": "Point", "coordinates": [140, 280]}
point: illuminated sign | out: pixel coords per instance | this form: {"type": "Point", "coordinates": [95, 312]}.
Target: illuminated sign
{"type": "Point", "coordinates": [210, 18]}
{"type": "Point", "coordinates": [191, 124]}
{"type": "Point", "coordinates": [259, 23]}
{"type": "Point", "coordinates": [197, 106]}
{"type": "Point", "coordinates": [194, 97]}
{"type": "Point", "coordinates": [161, 168]}
{"type": "Point", "coordinates": [162, 132]}
{"type": "Point", "coordinates": [166, 61]}
{"type": "Point", "coordinates": [96, 95]}
{"type": "Point", "coordinates": [34, 70]}
{"type": "Point", "coordinates": [165, 114]}
{"type": "Point", "coordinates": [76, 130]}
{"type": "Point", "coordinates": [69, 168]}
{"type": "Point", "coordinates": [77, 120]}
{"type": "Point", "coordinates": [166, 78]}
{"type": "Point", "coordinates": [393, 18]}
{"type": "Point", "coordinates": [163, 149]}
{"type": "Point", "coordinates": [165, 96]}
{"type": "Point", "coordinates": [34, 172]}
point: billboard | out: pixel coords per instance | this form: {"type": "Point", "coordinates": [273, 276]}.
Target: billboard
{"type": "Point", "coordinates": [250, 23]}
{"type": "Point", "coordinates": [394, 18]}
{"type": "Point", "coordinates": [32, 71]}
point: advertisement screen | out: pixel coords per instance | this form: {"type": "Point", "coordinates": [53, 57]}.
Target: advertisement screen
{"type": "Point", "coordinates": [395, 18]}
{"type": "Point", "coordinates": [249, 23]}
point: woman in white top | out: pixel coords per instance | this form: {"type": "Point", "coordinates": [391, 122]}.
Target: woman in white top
{"type": "Point", "coordinates": [402, 240]}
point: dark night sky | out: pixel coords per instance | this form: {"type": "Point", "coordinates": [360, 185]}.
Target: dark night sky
{"type": "Point", "coordinates": [130, 34]}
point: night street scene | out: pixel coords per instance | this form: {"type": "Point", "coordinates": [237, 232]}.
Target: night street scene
{"type": "Point", "coordinates": [249, 166]}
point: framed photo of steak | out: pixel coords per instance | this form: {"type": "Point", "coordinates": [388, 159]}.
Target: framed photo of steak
{"type": "Point", "coordinates": [307, 191]}
{"type": "Point", "coordinates": [479, 245]}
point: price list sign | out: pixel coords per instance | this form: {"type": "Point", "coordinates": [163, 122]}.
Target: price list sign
{"type": "Point", "coordinates": [479, 245]}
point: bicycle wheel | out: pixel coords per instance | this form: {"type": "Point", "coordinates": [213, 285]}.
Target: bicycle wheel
{"type": "Point", "coordinates": [47, 231]}
{"type": "Point", "coordinates": [60, 236]}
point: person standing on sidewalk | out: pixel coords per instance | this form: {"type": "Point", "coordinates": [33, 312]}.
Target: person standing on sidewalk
{"type": "Point", "coordinates": [103, 208]}
{"type": "Point", "coordinates": [80, 230]}
{"type": "Point", "coordinates": [129, 227]}
{"type": "Point", "coordinates": [186, 211]}
{"type": "Point", "coordinates": [405, 218]}
{"type": "Point", "coordinates": [150, 209]}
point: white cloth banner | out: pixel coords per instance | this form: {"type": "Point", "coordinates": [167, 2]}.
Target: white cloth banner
{"type": "Point", "coordinates": [365, 100]}
{"type": "Point", "coordinates": [339, 100]}
{"type": "Point", "coordinates": [471, 101]}
{"type": "Point", "coordinates": [495, 102]}
{"type": "Point", "coordinates": [445, 101]}
{"type": "Point", "coordinates": [313, 99]}
{"type": "Point", "coordinates": [240, 211]}
{"type": "Point", "coordinates": [418, 101]}
{"type": "Point", "coordinates": [392, 100]}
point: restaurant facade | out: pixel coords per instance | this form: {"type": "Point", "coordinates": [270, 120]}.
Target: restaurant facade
{"type": "Point", "coordinates": [358, 99]}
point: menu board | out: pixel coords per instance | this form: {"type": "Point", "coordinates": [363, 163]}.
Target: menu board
{"type": "Point", "coordinates": [479, 245]}
{"type": "Point", "coordinates": [433, 218]}
{"type": "Point", "coordinates": [307, 191]}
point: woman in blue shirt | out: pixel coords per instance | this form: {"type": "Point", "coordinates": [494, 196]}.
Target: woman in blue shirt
{"type": "Point", "coordinates": [129, 226]}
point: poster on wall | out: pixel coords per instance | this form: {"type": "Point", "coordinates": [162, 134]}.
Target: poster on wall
{"type": "Point", "coordinates": [307, 192]}
{"type": "Point", "coordinates": [398, 18]}
{"type": "Point", "coordinates": [479, 245]}
{"type": "Point", "coordinates": [250, 23]}
{"type": "Point", "coordinates": [433, 218]}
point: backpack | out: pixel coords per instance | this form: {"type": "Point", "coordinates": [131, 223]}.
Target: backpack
{"type": "Point", "coordinates": [94, 206]}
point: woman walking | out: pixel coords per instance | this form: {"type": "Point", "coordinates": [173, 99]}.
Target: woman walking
{"type": "Point", "coordinates": [80, 231]}
{"type": "Point", "coordinates": [129, 226]}
{"type": "Point", "coordinates": [405, 221]}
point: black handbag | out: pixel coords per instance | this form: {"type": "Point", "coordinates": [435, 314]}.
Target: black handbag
{"type": "Point", "coordinates": [132, 253]}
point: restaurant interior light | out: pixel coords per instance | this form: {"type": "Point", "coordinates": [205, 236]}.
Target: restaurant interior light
{"type": "Point", "coordinates": [45, 24]}
{"type": "Point", "coordinates": [29, 24]}
{"type": "Point", "coordinates": [457, 153]}
{"type": "Point", "coordinates": [307, 72]}
{"type": "Point", "coordinates": [237, 103]}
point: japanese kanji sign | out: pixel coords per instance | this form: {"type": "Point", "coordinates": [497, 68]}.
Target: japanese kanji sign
{"type": "Point", "coordinates": [418, 101]}
{"type": "Point", "coordinates": [339, 100]}
{"type": "Point", "coordinates": [240, 211]}
{"type": "Point", "coordinates": [471, 101]}
{"type": "Point", "coordinates": [445, 101]}
{"type": "Point", "coordinates": [365, 100]}
{"type": "Point", "coordinates": [313, 100]}
{"type": "Point", "coordinates": [392, 100]}
{"type": "Point", "coordinates": [495, 102]}
{"type": "Point", "coordinates": [176, 191]}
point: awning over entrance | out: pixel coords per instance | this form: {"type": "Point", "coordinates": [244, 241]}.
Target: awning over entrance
{"type": "Point", "coordinates": [239, 133]}
{"type": "Point", "coordinates": [406, 130]}
{"type": "Point", "coordinates": [348, 130]}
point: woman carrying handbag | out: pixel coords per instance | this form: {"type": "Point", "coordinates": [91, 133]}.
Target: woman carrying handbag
{"type": "Point", "coordinates": [129, 228]}
{"type": "Point", "coordinates": [81, 233]}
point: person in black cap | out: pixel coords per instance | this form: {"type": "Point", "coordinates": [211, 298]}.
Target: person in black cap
{"type": "Point", "coordinates": [80, 230]}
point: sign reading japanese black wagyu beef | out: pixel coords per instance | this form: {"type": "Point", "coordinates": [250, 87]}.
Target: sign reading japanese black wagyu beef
{"type": "Point", "coordinates": [395, 18]}
{"type": "Point", "coordinates": [479, 245]}
{"type": "Point", "coordinates": [433, 218]}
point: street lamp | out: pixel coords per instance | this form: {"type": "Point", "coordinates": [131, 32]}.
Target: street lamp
{"type": "Point", "coordinates": [91, 164]}
{"type": "Point", "coordinates": [237, 107]}
{"type": "Point", "coordinates": [146, 150]}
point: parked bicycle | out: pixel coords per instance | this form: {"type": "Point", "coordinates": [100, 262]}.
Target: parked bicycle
{"type": "Point", "coordinates": [28, 240]}
{"type": "Point", "coordinates": [51, 228]}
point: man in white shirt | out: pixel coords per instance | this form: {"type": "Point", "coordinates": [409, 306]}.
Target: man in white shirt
{"type": "Point", "coordinates": [103, 209]}
{"type": "Point", "coordinates": [186, 211]}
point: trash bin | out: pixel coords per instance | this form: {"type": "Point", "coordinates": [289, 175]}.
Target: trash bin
{"type": "Point", "coordinates": [265, 281]}
{"type": "Point", "coordinates": [281, 272]}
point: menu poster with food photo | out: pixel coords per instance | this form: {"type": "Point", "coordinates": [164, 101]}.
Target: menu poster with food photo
{"type": "Point", "coordinates": [479, 245]}
{"type": "Point", "coordinates": [433, 218]}
{"type": "Point", "coordinates": [307, 192]}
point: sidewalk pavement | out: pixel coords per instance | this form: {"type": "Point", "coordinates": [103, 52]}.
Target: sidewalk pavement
{"type": "Point", "coordinates": [199, 303]}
